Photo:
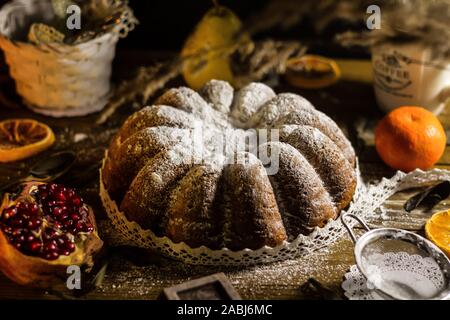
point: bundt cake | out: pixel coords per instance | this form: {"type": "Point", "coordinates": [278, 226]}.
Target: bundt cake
{"type": "Point", "coordinates": [198, 191]}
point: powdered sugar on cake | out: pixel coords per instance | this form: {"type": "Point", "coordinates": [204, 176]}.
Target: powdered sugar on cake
{"type": "Point", "coordinates": [247, 187]}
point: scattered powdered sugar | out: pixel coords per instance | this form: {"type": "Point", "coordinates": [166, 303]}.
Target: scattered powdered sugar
{"type": "Point", "coordinates": [319, 120]}
{"type": "Point", "coordinates": [189, 100]}
{"type": "Point", "coordinates": [182, 98]}
{"type": "Point", "coordinates": [281, 105]}
{"type": "Point", "coordinates": [219, 93]}
{"type": "Point", "coordinates": [213, 135]}
{"type": "Point", "coordinates": [248, 101]}
{"type": "Point", "coordinates": [175, 115]}
{"type": "Point", "coordinates": [258, 282]}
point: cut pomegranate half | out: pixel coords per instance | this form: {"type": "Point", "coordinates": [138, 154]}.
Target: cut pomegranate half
{"type": "Point", "coordinates": [45, 228]}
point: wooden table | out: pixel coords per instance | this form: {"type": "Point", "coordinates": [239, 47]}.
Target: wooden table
{"type": "Point", "coordinates": [139, 275]}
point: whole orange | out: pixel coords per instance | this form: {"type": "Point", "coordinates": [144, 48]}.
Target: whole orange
{"type": "Point", "coordinates": [409, 138]}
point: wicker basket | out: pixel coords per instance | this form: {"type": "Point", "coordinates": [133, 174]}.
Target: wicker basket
{"type": "Point", "coordinates": [55, 79]}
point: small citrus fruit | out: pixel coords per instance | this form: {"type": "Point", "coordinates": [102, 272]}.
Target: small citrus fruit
{"type": "Point", "coordinates": [23, 138]}
{"type": "Point", "coordinates": [409, 138]}
{"type": "Point", "coordinates": [437, 230]}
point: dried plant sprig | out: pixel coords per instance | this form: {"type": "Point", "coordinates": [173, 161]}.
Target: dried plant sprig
{"type": "Point", "coordinates": [286, 14]}
{"type": "Point", "coordinates": [426, 22]}
{"type": "Point", "coordinates": [147, 81]}
{"type": "Point", "coordinates": [268, 56]}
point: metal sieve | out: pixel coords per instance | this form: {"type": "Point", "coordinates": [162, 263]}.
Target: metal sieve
{"type": "Point", "coordinates": [399, 264]}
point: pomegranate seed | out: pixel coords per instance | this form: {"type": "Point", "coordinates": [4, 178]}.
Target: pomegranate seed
{"type": "Point", "coordinates": [70, 246]}
{"type": "Point", "coordinates": [50, 246]}
{"type": "Point", "coordinates": [34, 246]}
{"type": "Point", "coordinates": [18, 245]}
{"type": "Point", "coordinates": [9, 213]}
{"type": "Point", "coordinates": [77, 201]}
{"type": "Point", "coordinates": [48, 234]}
{"type": "Point", "coordinates": [79, 226]}
{"type": "Point", "coordinates": [67, 223]}
{"type": "Point", "coordinates": [30, 238]}
{"type": "Point", "coordinates": [57, 225]}
{"type": "Point", "coordinates": [18, 232]}
{"type": "Point", "coordinates": [33, 209]}
{"type": "Point", "coordinates": [60, 241]}
{"type": "Point", "coordinates": [34, 223]}
{"type": "Point", "coordinates": [18, 222]}
{"type": "Point", "coordinates": [51, 203]}
{"type": "Point", "coordinates": [75, 217]}
{"type": "Point", "coordinates": [64, 216]}
{"type": "Point", "coordinates": [70, 193]}
{"type": "Point", "coordinates": [22, 206]}
{"type": "Point", "coordinates": [7, 230]}
{"type": "Point", "coordinates": [57, 211]}
{"type": "Point", "coordinates": [43, 195]}
{"type": "Point", "coordinates": [61, 196]}
{"type": "Point", "coordinates": [64, 252]}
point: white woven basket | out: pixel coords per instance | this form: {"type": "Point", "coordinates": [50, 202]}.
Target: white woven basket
{"type": "Point", "coordinates": [58, 80]}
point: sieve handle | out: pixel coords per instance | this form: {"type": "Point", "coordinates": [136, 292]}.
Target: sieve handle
{"type": "Point", "coordinates": [349, 229]}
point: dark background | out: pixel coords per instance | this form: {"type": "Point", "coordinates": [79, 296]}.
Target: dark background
{"type": "Point", "coordinates": [164, 24]}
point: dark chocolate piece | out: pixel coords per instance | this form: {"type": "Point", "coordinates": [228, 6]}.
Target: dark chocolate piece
{"type": "Point", "coordinates": [213, 287]}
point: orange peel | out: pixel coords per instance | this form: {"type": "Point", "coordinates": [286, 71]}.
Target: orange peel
{"type": "Point", "coordinates": [23, 138]}
{"type": "Point", "coordinates": [312, 72]}
{"type": "Point", "coordinates": [437, 230]}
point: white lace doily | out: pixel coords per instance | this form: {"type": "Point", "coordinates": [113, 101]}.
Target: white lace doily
{"type": "Point", "coordinates": [365, 201]}
{"type": "Point", "coordinates": [421, 273]}
{"type": "Point", "coordinates": [355, 286]}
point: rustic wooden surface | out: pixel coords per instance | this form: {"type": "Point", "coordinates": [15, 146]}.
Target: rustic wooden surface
{"type": "Point", "coordinates": [137, 275]}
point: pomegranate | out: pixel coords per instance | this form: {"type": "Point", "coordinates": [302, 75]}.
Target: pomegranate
{"type": "Point", "coordinates": [45, 228]}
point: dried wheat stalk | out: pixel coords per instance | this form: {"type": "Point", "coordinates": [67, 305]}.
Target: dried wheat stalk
{"type": "Point", "coordinates": [268, 56]}
{"type": "Point", "coordinates": [147, 81]}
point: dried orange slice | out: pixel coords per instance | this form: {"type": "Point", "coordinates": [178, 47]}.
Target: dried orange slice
{"type": "Point", "coordinates": [23, 138]}
{"type": "Point", "coordinates": [437, 230]}
{"type": "Point", "coordinates": [312, 72]}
